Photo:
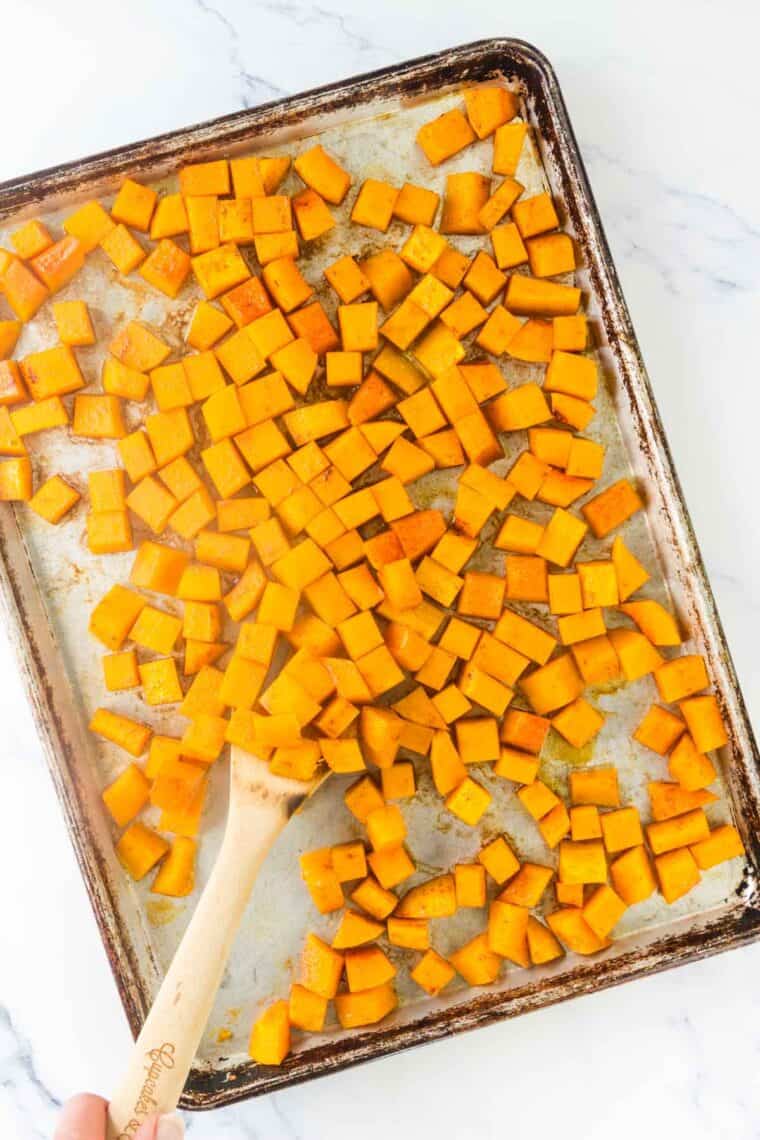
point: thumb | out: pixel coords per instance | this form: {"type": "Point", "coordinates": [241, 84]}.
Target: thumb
{"type": "Point", "coordinates": [168, 1127]}
{"type": "Point", "coordinates": [82, 1117]}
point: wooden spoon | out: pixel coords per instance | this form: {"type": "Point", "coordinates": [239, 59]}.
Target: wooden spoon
{"type": "Point", "coordinates": [260, 806]}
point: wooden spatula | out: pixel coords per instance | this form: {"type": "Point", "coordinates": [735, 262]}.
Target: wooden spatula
{"type": "Point", "coordinates": [260, 806]}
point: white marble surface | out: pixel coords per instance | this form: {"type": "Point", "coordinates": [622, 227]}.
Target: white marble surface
{"type": "Point", "coordinates": [663, 111]}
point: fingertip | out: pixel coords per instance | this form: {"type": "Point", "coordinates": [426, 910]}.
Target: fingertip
{"type": "Point", "coordinates": [82, 1117]}
{"type": "Point", "coordinates": [170, 1126]}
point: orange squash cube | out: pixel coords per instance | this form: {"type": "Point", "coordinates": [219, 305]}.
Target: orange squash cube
{"type": "Point", "coordinates": [389, 280]}
{"type": "Point", "coordinates": [349, 862]}
{"type": "Point", "coordinates": [509, 251]}
{"type": "Point", "coordinates": [488, 108]}
{"type": "Point", "coordinates": [248, 175]}
{"type": "Point", "coordinates": [40, 416]}
{"type": "Point", "coordinates": [138, 348]}
{"type": "Point", "coordinates": [621, 829]}
{"type": "Point", "coordinates": [311, 323]}
{"type": "Point", "coordinates": [321, 967]}
{"type": "Point", "coordinates": [270, 1035]}
{"type": "Point", "coordinates": [109, 532]}
{"type": "Point", "coordinates": [319, 171]}
{"type": "Point", "coordinates": [31, 238]}
{"type": "Point", "coordinates": [139, 849]}
{"type": "Point", "coordinates": [570, 926]}
{"type": "Point", "coordinates": [445, 136]}
{"type": "Point", "coordinates": [519, 408]}
{"type": "Point", "coordinates": [583, 862]}
{"type": "Point", "coordinates": [416, 205]}
{"type": "Point", "coordinates": [24, 292]}
{"type": "Point", "coordinates": [596, 659]}
{"type": "Point", "coordinates": [595, 786]}
{"type": "Point", "coordinates": [499, 860]}
{"type": "Point", "coordinates": [680, 831]}
{"type": "Point", "coordinates": [659, 730]}
{"type": "Point", "coordinates": [507, 146]}
{"type": "Point", "coordinates": [535, 215]}
{"type": "Point", "coordinates": [677, 872]}
{"type": "Point", "coordinates": [465, 196]}
{"type": "Point", "coordinates": [297, 361]}
{"type": "Point", "coordinates": [123, 249]}
{"type": "Point", "coordinates": [564, 593]}
{"type": "Point", "coordinates": [366, 1007]}
{"type": "Point", "coordinates": [553, 686]}
{"type": "Point", "coordinates": [235, 216]}
{"type": "Point", "coordinates": [507, 932]}
{"type": "Point", "coordinates": [120, 671]}
{"type": "Point", "coordinates": [585, 823]}
{"type": "Point", "coordinates": [703, 717]}
{"type": "Point", "coordinates": [312, 216]}
{"type": "Point", "coordinates": [409, 933]}
{"type": "Point", "coordinates": [532, 297]}
{"type": "Point", "coordinates": [520, 767]}
{"type": "Point", "coordinates": [54, 499]}
{"type": "Point", "coordinates": [166, 268]}
{"type": "Point", "coordinates": [129, 734]}
{"type": "Point", "coordinates": [470, 885]}
{"type": "Point", "coordinates": [723, 843]}
{"type": "Point", "coordinates": [432, 973]}
{"type": "Point", "coordinates": [89, 224]}
{"type": "Point", "coordinates": [484, 279]}
{"type": "Point", "coordinates": [583, 626]}
{"type": "Point", "coordinates": [603, 910]}
{"type": "Point", "coordinates": [524, 730]}
{"type": "Point", "coordinates": [668, 800]}
{"type": "Point", "coordinates": [391, 866]}
{"type": "Point", "coordinates": [348, 279]}
{"type": "Point", "coordinates": [73, 322]}
{"type": "Point", "coordinates": [612, 507]}
{"type": "Point", "coordinates": [681, 677]}
{"type": "Point", "coordinates": [578, 722]}
{"type": "Point", "coordinates": [306, 1010]}
{"type": "Point", "coordinates": [169, 218]}
{"type": "Point", "coordinates": [127, 795]}
{"type": "Point", "coordinates": [632, 876]}
{"type": "Point", "coordinates": [374, 205]}
{"type": "Point", "coordinates": [57, 264]}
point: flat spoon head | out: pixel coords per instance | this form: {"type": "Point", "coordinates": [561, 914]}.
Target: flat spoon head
{"type": "Point", "coordinates": [253, 783]}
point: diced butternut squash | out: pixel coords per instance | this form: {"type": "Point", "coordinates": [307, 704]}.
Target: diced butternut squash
{"type": "Point", "coordinates": [270, 1036]}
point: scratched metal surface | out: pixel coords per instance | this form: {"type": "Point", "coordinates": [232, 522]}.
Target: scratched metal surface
{"type": "Point", "coordinates": [51, 583]}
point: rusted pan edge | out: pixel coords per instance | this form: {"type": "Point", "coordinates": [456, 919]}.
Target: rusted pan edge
{"type": "Point", "coordinates": [40, 660]}
{"type": "Point", "coordinates": [662, 490]}
{"type": "Point", "coordinates": [411, 80]}
{"type": "Point", "coordinates": [243, 1081]}
{"type": "Point", "coordinates": [727, 929]}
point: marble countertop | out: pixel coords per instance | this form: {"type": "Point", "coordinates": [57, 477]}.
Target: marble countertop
{"type": "Point", "coordinates": [663, 121]}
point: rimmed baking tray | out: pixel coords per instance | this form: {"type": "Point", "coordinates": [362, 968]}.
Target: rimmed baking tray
{"type": "Point", "coordinates": [48, 583]}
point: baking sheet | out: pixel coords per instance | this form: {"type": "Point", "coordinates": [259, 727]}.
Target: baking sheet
{"type": "Point", "coordinates": [370, 126]}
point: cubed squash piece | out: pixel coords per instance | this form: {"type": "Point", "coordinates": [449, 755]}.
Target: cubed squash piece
{"type": "Point", "coordinates": [445, 136]}
{"type": "Point", "coordinates": [127, 795]}
{"type": "Point", "coordinates": [54, 499]}
{"type": "Point", "coordinates": [374, 204]}
{"type": "Point", "coordinates": [677, 873]}
{"type": "Point", "coordinates": [270, 1035]}
{"type": "Point", "coordinates": [139, 849]}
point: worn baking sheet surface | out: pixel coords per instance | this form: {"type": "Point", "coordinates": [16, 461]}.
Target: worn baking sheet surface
{"type": "Point", "coordinates": [370, 127]}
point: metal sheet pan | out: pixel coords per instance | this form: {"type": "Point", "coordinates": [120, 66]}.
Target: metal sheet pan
{"type": "Point", "coordinates": [49, 582]}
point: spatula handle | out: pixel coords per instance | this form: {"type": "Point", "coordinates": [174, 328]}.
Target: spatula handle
{"type": "Point", "coordinates": [168, 1041]}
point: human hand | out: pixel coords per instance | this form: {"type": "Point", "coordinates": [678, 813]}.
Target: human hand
{"type": "Point", "coordinates": [84, 1118]}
